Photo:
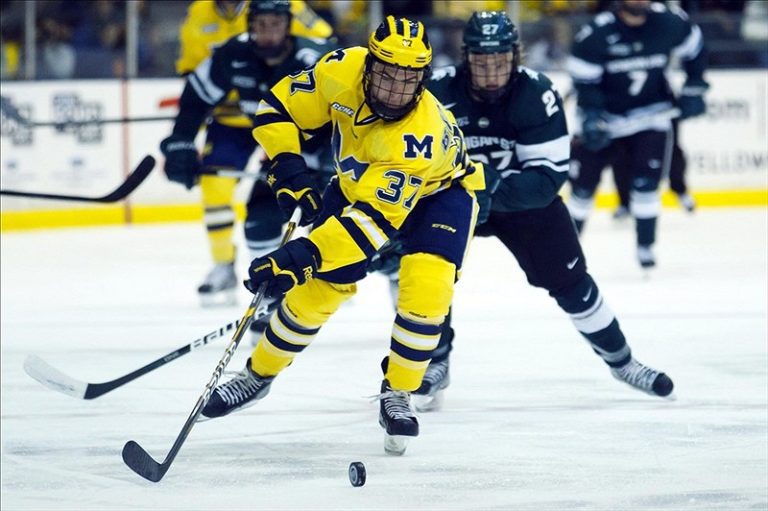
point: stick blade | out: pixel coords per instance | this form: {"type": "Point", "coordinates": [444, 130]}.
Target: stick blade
{"type": "Point", "coordinates": [38, 369]}
{"type": "Point", "coordinates": [142, 463]}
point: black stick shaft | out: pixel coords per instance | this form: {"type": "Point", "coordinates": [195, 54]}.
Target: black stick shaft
{"type": "Point", "coordinates": [121, 192]}
{"type": "Point", "coordinates": [134, 455]}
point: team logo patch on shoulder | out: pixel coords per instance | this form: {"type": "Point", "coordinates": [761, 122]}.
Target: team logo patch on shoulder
{"type": "Point", "coordinates": [343, 109]}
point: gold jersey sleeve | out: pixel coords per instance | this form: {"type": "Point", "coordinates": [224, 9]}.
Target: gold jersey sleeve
{"type": "Point", "coordinates": [383, 168]}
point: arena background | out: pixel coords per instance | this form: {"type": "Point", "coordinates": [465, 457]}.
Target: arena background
{"type": "Point", "coordinates": [49, 78]}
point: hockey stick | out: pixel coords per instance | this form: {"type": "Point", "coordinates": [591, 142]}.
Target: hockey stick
{"type": "Point", "coordinates": [131, 182]}
{"type": "Point", "coordinates": [54, 379]}
{"type": "Point", "coordinates": [134, 455]}
{"type": "Point", "coordinates": [10, 111]}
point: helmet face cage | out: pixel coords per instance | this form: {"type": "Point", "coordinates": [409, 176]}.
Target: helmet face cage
{"type": "Point", "coordinates": [396, 68]}
{"type": "Point", "coordinates": [391, 90]}
{"type": "Point", "coordinates": [269, 23]}
{"type": "Point", "coordinates": [491, 54]}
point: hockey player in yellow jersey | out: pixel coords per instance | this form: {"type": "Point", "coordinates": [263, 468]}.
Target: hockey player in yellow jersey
{"type": "Point", "coordinates": [208, 25]}
{"type": "Point", "coordinates": [401, 170]}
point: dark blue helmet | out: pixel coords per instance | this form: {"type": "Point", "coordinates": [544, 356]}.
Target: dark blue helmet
{"type": "Point", "coordinates": [490, 32]}
{"type": "Point", "coordinates": [256, 7]}
{"type": "Point", "coordinates": [277, 7]}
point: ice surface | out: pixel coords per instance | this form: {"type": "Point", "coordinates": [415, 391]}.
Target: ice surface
{"type": "Point", "coordinates": [533, 420]}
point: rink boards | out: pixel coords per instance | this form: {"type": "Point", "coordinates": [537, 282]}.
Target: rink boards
{"type": "Point", "coordinates": [726, 149]}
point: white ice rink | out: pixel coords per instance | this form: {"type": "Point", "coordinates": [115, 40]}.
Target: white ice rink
{"type": "Point", "coordinates": [533, 420]}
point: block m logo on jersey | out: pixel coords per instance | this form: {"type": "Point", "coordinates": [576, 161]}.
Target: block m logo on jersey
{"type": "Point", "coordinates": [413, 146]}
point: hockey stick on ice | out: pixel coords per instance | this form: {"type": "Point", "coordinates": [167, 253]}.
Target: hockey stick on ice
{"type": "Point", "coordinates": [134, 455]}
{"type": "Point", "coordinates": [130, 184]}
{"type": "Point", "coordinates": [54, 379]}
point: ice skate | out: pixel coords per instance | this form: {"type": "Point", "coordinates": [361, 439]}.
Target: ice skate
{"type": "Point", "coordinates": [429, 396]}
{"type": "Point", "coordinates": [242, 391]}
{"type": "Point", "coordinates": [397, 419]}
{"type": "Point", "coordinates": [644, 378]}
{"type": "Point", "coordinates": [621, 213]}
{"type": "Point", "coordinates": [645, 256]}
{"type": "Point", "coordinates": [687, 202]}
{"type": "Point", "coordinates": [219, 287]}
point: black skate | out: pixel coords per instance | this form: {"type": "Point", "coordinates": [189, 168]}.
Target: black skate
{"type": "Point", "coordinates": [621, 213]}
{"type": "Point", "coordinates": [242, 391]}
{"type": "Point", "coordinates": [687, 202]}
{"type": "Point", "coordinates": [397, 419]}
{"type": "Point", "coordinates": [645, 256]}
{"type": "Point", "coordinates": [219, 287]}
{"type": "Point", "coordinates": [644, 378]}
{"type": "Point", "coordinates": [429, 396]}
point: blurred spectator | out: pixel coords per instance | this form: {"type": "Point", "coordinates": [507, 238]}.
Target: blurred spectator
{"type": "Point", "coordinates": [56, 20]}
{"type": "Point", "coordinates": [99, 40]}
{"type": "Point", "coordinates": [11, 38]}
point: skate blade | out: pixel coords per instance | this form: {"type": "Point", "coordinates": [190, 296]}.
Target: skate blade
{"type": "Point", "coordinates": [220, 299]}
{"type": "Point", "coordinates": [431, 403]}
{"type": "Point", "coordinates": [395, 445]}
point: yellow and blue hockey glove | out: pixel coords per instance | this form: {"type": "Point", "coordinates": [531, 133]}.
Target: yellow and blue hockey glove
{"type": "Point", "coordinates": [293, 185]}
{"type": "Point", "coordinates": [290, 265]}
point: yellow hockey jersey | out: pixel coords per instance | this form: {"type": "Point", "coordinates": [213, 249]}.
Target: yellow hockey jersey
{"type": "Point", "coordinates": [205, 28]}
{"type": "Point", "coordinates": [383, 168]}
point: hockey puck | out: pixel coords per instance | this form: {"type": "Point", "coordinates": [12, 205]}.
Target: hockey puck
{"type": "Point", "coordinates": [357, 473]}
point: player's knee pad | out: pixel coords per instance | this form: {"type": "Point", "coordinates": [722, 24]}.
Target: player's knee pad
{"type": "Point", "coordinates": [311, 304]}
{"type": "Point", "coordinates": [217, 191]}
{"type": "Point", "coordinates": [576, 297]}
{"type": "Point", "coordinates": [586, 307]}
{"type": "Point", "coordinates": [426, 287]}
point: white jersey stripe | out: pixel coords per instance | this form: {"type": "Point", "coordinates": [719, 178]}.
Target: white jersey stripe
{"type": "Point", "coordinates": [583, 71]}
{"type": "Point", "coordinates": [554, 151]}
{"type": "Point", "coordinates": [205, 88]}
{"type": "Point", "coordinates": [691, 47]}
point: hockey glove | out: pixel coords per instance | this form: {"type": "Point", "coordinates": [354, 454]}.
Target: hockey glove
{"type": "Point", "coordinates": [182, 164]}
{"type": "Point", "coordinates": [492, 180]}
{"type": "Point", "coordinates": [691, 101]}
{"type": "Point", "coordinates": [293, 185]}
{"type": "Point", "coordinates": [290, 265]}
{"type": "Point", "coordinates": [594, 131]}
{"type": "Point", "coordinates": [387, 259]}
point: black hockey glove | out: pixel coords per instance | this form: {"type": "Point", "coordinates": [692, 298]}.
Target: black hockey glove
{"type": "Point", "coordinates": [594, 131]}
{"type": "Point", "coordinates": [182, 164]}
{"type": "Point", "coordinates": [691, 101]}
{"type": "Point", "coordinates": [492, 180]}
{"type": "Point", "coordinates": [293, 185]}
{"type": "Point", "coordinates": [290, 265]}
{"type": "Point", "coordinates": [387, 259]}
